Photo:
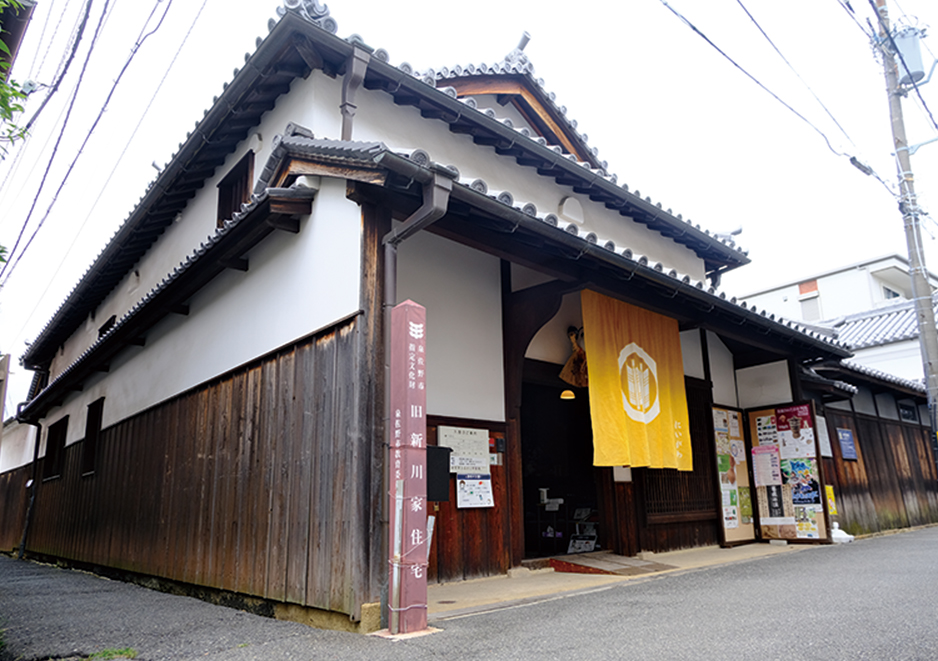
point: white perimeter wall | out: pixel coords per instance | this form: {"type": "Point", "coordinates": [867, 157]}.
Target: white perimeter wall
{"type": "Point", "coordinates": [461, 290]}
{"type": "Point", "coordinates": [296, 284]}
{"type": "Point", "coordinates": [16, 446]}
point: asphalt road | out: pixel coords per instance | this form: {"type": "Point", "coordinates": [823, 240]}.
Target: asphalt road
{"type": "Point", "coordinates": [873, 599]}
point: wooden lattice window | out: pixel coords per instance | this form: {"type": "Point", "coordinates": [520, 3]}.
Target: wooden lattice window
{"type": "Point", "coordinates": [235, 189]}
{"type": "Point", "coordinates": [672, 495]}
{"type": "Point", "coordinates": [55, 449]}
{"type": "Point", "coordinates": [89, 450]}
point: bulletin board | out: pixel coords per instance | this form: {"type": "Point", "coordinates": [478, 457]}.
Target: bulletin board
{"type": "Point", "coordinates": [736, 509]}
{"type": "Point", "coordinates": [786, 469]}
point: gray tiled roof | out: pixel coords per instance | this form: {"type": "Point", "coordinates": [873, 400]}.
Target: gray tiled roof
{"type": "Point", "coordinates": [877, 327]}
{"type": "Point", "coordinates": [254, 90]}
{"type": "Point", "coordinates": [846, 367]}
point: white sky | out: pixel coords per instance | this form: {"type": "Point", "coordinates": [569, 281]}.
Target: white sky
{"type": "Point", "coordinates": [673, 118]}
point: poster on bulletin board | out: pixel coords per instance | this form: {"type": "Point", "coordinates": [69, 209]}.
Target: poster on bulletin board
{"type": "Point", "coordinates": [786, 456]}
{"type": "Point", "coordinates": [735, 507]}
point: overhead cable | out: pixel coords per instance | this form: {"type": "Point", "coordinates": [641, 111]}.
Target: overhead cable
{"type": "Point", "coordinates": [785, 60]}
{"type": "Point", "coordinates": [84, 143]}
{"type": "Point", "coordinates": [111, 175]}
{"type": "Point", "coordinates": [55, 86]}
{"type": "Point", "coordinates": [751, 77]}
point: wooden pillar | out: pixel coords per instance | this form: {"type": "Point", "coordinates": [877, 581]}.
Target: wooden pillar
{"type": "Point", "coordinates": [523, 314]}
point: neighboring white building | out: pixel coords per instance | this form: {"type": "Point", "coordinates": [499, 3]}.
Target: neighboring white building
{"type": "Point", "coordinates": [867, 305]}
{"type": "Point", "coordinates": [843, 291]}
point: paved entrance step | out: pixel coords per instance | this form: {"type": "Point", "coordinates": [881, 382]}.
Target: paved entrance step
{"type": "Point", "coordinates": [605, 562]}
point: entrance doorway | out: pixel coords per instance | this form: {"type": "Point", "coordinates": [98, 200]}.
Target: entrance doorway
{"type": "Point", "coordinates": [557, 456]}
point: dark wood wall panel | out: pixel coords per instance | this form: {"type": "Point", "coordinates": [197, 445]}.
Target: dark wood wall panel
{"type": "Point", "coordinates": [250, 483]}
{"type": "Point", "coordinates": [14, 499]}
{"type": "Point", "coordinates": [892, 484]}
{"type": "Point", "coordinates": [471, 542]}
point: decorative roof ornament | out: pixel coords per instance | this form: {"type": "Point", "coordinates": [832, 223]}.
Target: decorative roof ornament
{"type": "Point", "coordinates": [312, 11]}
{"type": "Point", "coordinates": [518, 59]}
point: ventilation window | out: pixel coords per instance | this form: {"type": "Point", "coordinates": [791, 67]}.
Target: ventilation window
{"type": "Point", "coordinates": [890, 294]}
{"type": "Point", "coordinates": [89, 447]}
{"type": "Point", "coordinates": [235, 189]}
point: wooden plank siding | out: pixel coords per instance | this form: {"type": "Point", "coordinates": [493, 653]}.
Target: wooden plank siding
{"type": "Point", "coordinates": [680, 509]}
{"type": "Point", "coordinates": [14, 500]}
{"type": "Point", "coordinates": [471, 542]}
{"type": "Point", "coordinates": [250, 483]}
{"type": "Point", "coordinates": [892, 484]}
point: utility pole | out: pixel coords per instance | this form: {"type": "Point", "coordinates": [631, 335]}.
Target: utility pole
{"type": "Point", "coordinates": [908, 205]}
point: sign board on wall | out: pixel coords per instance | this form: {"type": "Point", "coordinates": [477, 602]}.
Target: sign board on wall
{"type": "Point", "coordinates": [786, 469]}
{"type": "Point", "coordinates": [848, 449]}
{"type": "Point", "coordinates": [470, 449]}
{"type": "Point", "coordinates": [474, 490]}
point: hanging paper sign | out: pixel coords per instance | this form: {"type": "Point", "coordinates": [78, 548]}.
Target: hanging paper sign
{"type": "Point", "coordinates": [766, 465]}
{"type": "Point", "coordinates": [470, 449]}
{"type": "Point", "coordinates": [766, 432]}
{"type": "Point", "coordinates": [795, 434]}
{"type": "Point", "coordinates": [831, 500]}
{"type": "Point", "coordinates": [802, 476]}
{"type": "Point", "coordinates": [823, 438]}
{"type": "Point", "coordinates": [474, 490]}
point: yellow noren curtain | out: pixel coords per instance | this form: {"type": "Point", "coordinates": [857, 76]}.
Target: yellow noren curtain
{"type": "Point", "coordinates": [637, 398]}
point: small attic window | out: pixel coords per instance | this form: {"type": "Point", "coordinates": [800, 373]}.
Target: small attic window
{"type": "Point", "coordinates": [235, 188]}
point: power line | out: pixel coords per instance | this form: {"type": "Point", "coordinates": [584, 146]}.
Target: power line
{"type": "Point", "coordinates": [55, 148]}
{"type": "Point", "coordinates": [71, 56]}
{"type": "Point", "coordinates": [750, 76]}
{"type": "Point", "coordinates": [790, 66]}
{"type": "Point", "coordinates": [111, 175]}
{"type": "Point", "coordinates": [852, 14]}
{"type": "Point", "coordinates": [84, 143]}
{"type": "Point", "coordinates": [42, 36]}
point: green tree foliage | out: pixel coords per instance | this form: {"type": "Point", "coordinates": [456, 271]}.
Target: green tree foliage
{"type": "Point", "coordinates": [11, 95]}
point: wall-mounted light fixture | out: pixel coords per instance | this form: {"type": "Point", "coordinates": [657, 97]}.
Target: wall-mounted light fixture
{"type": "Point", "coordinates": [567, 394]}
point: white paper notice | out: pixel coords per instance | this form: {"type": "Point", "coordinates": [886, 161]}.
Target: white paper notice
{"type": "Point", "coordinates": [470, 449]}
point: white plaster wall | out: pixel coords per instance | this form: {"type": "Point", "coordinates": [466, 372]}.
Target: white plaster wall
{"type": "Point", "coordinates": [692, 354]}
{"type": "Point", "coordinates": [296, 284]}
{"type": "Point", "coordinates": [402, 128]}
{"type": "Point", "coordinates": [461, 290]}
{"type": "Point", "coordinates": [863, 402]}
{"type": "Point", "coordinates": [551, 343]}
{"type": "Point", "coordinates": [722, 372]}
{"type": "Point", "coordinates": [903, 359]}
{"type": "Point", "coordinates": [886, 406]}
{"type": "Point", "coordinates": [16, 446]}
{"type": "Point", "coordinates": [312, 102]}
{"type": "Point", "coordinates": [763, 385]}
